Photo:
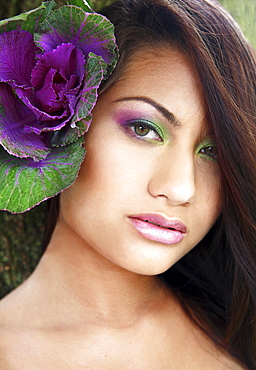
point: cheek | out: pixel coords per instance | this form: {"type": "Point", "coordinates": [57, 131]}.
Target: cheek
{"type": "Point", "coordinates": [208, 181]}
{"type": "Point", "coordinates": [212, 201]}
{"type": "Point", "coordinates": [208, 201]}
{"type": "Point", "coordinates": [114, 167]}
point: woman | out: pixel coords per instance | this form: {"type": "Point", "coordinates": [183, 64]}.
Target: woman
{"type": "Point", "coordinates": [169, 166]}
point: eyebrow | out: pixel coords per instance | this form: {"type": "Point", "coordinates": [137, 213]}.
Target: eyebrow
{"type": "Point", "coordinates": [168, 115]}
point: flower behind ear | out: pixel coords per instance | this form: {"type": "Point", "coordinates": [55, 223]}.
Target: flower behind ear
{"type": "Point", "coordinates": [51, 66]}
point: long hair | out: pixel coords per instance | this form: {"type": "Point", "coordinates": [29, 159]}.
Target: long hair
{"type": "Point", "coordinates": [216, 281]}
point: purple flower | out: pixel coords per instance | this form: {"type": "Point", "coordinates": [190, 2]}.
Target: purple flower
{"type": "Point", "coordinates": [44, 85]}
{"type": "Point", "coordinates": [51, 66]}
{"type": "Point", "coordinates": [48, 89]}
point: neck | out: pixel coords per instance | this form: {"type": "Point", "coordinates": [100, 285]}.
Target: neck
{"type": "Point", "coordinates": [93, 287]}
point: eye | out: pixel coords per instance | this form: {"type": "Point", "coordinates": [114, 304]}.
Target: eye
{"type": "Point", "coordinates": [209, 150]}
{"type": "Point", "coordinates": [144, 130]}
{"type": "Point", "coordinates": [141, 130]}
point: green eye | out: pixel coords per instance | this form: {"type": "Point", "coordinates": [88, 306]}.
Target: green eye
{"type": "Point", "coordinates": [141, 130]}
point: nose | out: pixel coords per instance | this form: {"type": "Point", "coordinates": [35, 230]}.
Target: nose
{"type": "Point", "coordinates": [174, 180]}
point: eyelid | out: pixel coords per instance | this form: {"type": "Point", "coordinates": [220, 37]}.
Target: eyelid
{"type": "Point", "coordinates": [206, 144]}
{"type": "Point", "coordinates": [149, 124]}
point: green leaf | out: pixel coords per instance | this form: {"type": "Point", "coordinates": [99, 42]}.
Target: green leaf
{"type": "Point", "coordinates": [85, 5]}
{"type": "Point", "coordinates": [81, 127]}
{"type": "Point", "coordinates": [90, 32]}
{"type": "Point", "coordinates": [25, 183]}
{"type": "Point", "coordinates": [28, 21]}
{"type": "Point", "coordinates": [93, 77]}
{"type": "Point", "coordinates": [82, 118]}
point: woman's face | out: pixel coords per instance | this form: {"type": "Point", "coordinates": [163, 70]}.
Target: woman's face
{"type": "Point", "coordinates": [149, 189]}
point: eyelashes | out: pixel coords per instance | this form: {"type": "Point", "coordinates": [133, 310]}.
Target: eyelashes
{"type": "Point", "coordinates": [144, 130]}
{"type": "Point", "coordinates": [208, 150]}
{"type": "Point", "coordinates": [147, 131]}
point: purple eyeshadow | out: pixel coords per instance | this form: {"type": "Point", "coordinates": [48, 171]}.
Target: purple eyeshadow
{"type": "Point", "coordinates": [124, 116]}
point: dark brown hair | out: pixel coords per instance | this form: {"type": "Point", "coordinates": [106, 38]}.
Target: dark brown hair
{"type": "Point", "coordinates": [216, 281]}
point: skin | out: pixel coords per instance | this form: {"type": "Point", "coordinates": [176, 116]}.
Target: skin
{"type": "Point", "coordinates": [147, 176]}
{"type": "Point", "coordinates": [94, 302]}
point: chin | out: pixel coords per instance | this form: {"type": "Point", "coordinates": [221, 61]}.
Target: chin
{"type": "Point", "coordinates": [149, 267]}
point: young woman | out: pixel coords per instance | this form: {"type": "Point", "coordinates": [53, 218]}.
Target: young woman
{"type": "Point", "coordinates": [152, 261]}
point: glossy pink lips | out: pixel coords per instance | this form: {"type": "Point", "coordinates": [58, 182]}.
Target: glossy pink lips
{"type": "Point", "coordinates": [158, 228]}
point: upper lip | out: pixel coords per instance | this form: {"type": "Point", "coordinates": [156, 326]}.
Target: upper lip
{"type": "Point", "coordinates": [162, 221]}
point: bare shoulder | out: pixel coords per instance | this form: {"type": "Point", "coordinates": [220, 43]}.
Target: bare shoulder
{"type": "Point", "coordinates": [17, 339]}
{"type": "Point", "coordinates": [207, 352]}
{"type": "Point", "coordinates": [195, 350]}
{"type": "Point", "coordinates": [8, 332]}
{"type": "Point", "coordinates": [24, 331]}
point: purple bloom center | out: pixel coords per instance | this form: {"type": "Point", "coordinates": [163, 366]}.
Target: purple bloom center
{"type": "Point", "coordinates": [48, 86]}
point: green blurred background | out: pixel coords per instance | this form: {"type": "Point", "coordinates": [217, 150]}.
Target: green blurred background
{"type": "Point", "coordinates": [21, 235]}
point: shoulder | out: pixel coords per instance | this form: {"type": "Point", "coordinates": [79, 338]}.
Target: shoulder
{"type": "Point", "coordinates": [205, 351]}
{"type": "Point", "coordinates": [194, 348]}
{"type": "Point", "coordinates": [28, 342]}
{"type": "Point", "coordinates": [18, 341]}
{"type": "Point", "coordinates": [9, 332]}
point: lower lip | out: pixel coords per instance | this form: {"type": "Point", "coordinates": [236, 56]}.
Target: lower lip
{"type": "Point", "coordinates": [156, 233]}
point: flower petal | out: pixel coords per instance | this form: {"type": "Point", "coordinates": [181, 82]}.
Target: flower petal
{"type": "Point", "coordinates": [50, 122]}
{"type": "Point", "coordinates": [89, 94]}
{"type": "Point", "coordinates": [47, 97]}
{"type": "Point", "coordinates": [56, 81]}
{"type": "Point", "coordinates": [91, 32]}
{"type": "Point", "coordinates": [81, 120]}
{"type": "Point", "coordinates": [65, 58]}
{"type": "Point", "coordinates": [17, 57]}
{"type": "Point", "coordinates": [14, 117]}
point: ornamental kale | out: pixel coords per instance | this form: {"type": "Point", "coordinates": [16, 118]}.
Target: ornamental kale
{"type": "Point", "coordinates": [51, 65]}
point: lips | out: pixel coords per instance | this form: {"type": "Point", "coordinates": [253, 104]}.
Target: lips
{"type": "Point", "coordinates": [158, 228]}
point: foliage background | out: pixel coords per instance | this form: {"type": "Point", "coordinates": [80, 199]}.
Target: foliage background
{"type": "Point", "coordinates": [21, 235]}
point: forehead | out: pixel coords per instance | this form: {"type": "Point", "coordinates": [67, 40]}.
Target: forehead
{"type": "Point", "coordinates": [166, 75]}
